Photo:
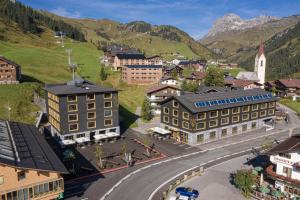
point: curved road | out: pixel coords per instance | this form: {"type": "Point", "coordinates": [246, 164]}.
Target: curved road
{"type": "Point", "coordinates": [141, 184]}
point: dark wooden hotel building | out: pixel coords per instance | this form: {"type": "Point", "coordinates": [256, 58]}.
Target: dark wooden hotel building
{"type": "Point", "coordinates": [10, 72]}
{"type": "Point", "coordinates": [205, 117]}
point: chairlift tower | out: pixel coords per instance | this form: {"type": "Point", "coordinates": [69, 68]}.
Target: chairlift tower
{"type": "Point", "coordinates": [69, 51]}
{"type": "Point", "coordinates": [62, 39]}
{"type": "Point", "coordinates": [73, 67]}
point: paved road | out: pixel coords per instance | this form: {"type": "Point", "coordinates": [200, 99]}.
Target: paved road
{"type": "Point", "coordinates": [140, 185]}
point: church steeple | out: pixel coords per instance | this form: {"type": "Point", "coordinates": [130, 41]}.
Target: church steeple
{"type": "Point", "coordinates": [260, 63]}
{"type": "Point", "coordinates": [261, 49]}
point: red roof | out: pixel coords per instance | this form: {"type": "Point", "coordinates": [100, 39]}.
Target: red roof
{"type": "Point", "coordinates": [261, 49]}
{"type": "Point", "coordinates": [160, 87]}
{"type": "Point", "coordinates": [290, 83]}
{"type": "Point", "coordinates": [239, 82]}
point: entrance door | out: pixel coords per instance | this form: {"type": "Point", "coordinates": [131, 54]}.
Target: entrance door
{"type": "Point", "coordinates": [184, 137]}
{"type": "Point", "coordinates": [92, 134]}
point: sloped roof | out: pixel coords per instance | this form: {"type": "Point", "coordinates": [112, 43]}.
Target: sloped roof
{"type": "Point", "coordinates": [9, 61]}
{"type": "Point", "coordinates": [159, 88]}
{"type": "Point", "coordinates": [252, 76]}
{"type": "Point", "coordinates": [131, 56]}
{"type": "Point", "coordinates": [23, 146]}
{"type": "Point", "coordinates": [239, 82]}
{"type": "Point", "coordinates": [289, 145]}
{"type": "Point", "coordinates": [261, 49]}
{"type": "Point", "coordinates": [290, 82]}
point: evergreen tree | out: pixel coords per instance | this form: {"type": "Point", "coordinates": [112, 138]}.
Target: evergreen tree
{"type": "Point", "coordinates": [244, 180]}
{"type": "Point", "coordinates": [214, 77]}
{"type": "Point", "coordinates": [103, 74]}
{"type": "Point", "coordinates": [190, 86]}
{"type": "Point", "coordinates": [146, 110]}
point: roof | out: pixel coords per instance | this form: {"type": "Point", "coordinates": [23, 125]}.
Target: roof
{"type": "Point", "coordinates": [295, 83]}
{"type": "Point", "coordinates": [239, 82]}
{"type": "Point", "coordinates": [197, 75]}
{"type": "Point", "coordinates": [23, 146]}
{"type": "Point", "coordinates": [167, 78]}
{"type": "Point", "coordinates": [131, 56]}
{"type": "Point", "coordinates": [172, 67]}
{"type": "Point", "coordinates": [77, 87]}
{"type": "Point", "coordinates": [261, 49]}
{"type": "Point", "coordinates": [252, 76]}
{"type": "Point", "coordinates": [289, 145]}
{"type": "Point", "coordinates": [144, 66]}
{"type": "Point", "coordinates": [9, 61]}
{"type": "Point", "coordinates": [197, 102]}
{"type": "Point", "coordinates": [160, 87]}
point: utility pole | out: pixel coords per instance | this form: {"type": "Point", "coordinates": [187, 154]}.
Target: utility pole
{"type": "Point", "coordinates": [69, 51]}
{"type": "Point", "coordinates": [9, 109]}
{"type": "Point", "coordinates": [62, 39]}
{"type": "Point", "coordinates": [73, 67]}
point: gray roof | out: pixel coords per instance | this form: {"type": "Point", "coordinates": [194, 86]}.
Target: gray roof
{"type": "Point", "coordinates": [252, 76]}
{"type": "Point", "coordinates": [131, 56]}
{"type": "Point", "coordinates": [189, 100]}
{"type": "Point", "coordinates": [23, 146]}
{"type": "Point", "coordinates": [77, 87]}
{"type": "Point", "coordinates": [144, 66]}
{"type": "Point", "coordinates": [289, 145]}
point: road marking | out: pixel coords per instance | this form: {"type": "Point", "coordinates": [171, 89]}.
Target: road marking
{"type": "Point", "coordinates": [189, 147]}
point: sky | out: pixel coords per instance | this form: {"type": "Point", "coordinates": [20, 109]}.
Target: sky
{"type": "Point", "coordinates": [192, 16]}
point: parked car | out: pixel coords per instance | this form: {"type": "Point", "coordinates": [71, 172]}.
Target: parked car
{"type": "Point", "coordinates": [187, 191]}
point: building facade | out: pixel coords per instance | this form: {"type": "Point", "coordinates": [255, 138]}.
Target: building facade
{"type": "Point", "coordinates": [205, 117]}
{"type": "Point", "coordinates": [29, 169]}
{"type": "Point", "coordinates": [285, 168]}
{"type": "Point", "coordinates": [80, 109]}
{"type": "Point", "coordinates": [121, 60]}
{"type": "Point", "coordinates": [287, 87]}
{"type": "Point", "coordinates": [159, 93]}
{"type": "Point", "coordinates": [10, 72]}
{"type": "Point", "coordinates": [142, 74]}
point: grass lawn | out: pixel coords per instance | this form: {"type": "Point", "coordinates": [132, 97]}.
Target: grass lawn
{"type": "Point", "coordinates": [295, 105]}
{"type": "Point", "coordinates": [234, 72]}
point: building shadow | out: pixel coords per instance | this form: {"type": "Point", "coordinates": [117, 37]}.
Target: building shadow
{"type": "Point", "coordinates": [29, 79]}
{"type": "Point", "coordinates": [127, 118]}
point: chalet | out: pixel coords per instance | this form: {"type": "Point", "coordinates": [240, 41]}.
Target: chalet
{"type": "Point", "coordinates": [10, 72]}
{"type": "Point", "coordinates": [245, 84]}
{"type": "Point", "coordinates": [169, 80]}
{"type": "Point", "coordinates": [205, 117]}
{"type": "Point", "coordinates": [173, 69]}
{"type": "Point", "coordinates": [288, 87]}
{"type": "Point", "coordinates": [159, 93]}
{"type": "Point", "coordinates": [128, 59]}
{"type": "Point", "coordinates": [285, 167]}
{"type": "Point", "coordinates": [196, 77]}
{"type": "Point", "coordinates": [112, 50]}
{"type": "Point", "coordinates": [29, 169]}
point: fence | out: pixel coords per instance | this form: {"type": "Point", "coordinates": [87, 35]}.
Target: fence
{"type": "Point", "coordinates": [260, 195]}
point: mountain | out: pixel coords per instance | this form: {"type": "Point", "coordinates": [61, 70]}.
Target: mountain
{"type": "Point", "coordinates": [283, 55]}
{"type": "Point", "coordinates": [231, 34]}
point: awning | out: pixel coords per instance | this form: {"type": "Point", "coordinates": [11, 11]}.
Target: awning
{"type": "Point", "coordinates": [100, 137]}
{"type": "Point", "coordinates": [82, 140]}
{"type": "Point", "coordinates": [66, 142]}
{"type": "Point", "coordinates": [160, 130]}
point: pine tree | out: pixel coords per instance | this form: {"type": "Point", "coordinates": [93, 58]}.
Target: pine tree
{"type": "Point", "coordinates": [146, 110]}
{"type": "Point", "coordinates": [214, 77]}
{"type": "Point", "coordinates": [103, 74]}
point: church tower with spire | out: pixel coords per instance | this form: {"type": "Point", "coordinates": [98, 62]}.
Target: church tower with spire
{"type": "Point", "coordinates": [260, 64]}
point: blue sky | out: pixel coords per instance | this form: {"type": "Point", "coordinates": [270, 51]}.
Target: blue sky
{"type": "Point", "coordinates": [193, 16]}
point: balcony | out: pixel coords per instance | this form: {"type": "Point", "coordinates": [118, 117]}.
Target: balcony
{"type": "Point", "coordinates": [272, 174]}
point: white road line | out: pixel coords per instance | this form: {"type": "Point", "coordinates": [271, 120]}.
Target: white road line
{"type": "Point", "coordinates": [189, 147]}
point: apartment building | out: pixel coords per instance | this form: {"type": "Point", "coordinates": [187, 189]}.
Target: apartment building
{"type": "Point", "coordinates": [285, 168]}
{"type": "Point", "coordinates": [29, 169]}
{"type": "Point", "coordinates": [142, 74]}
{"type": "Point", "coordinates": [79, 110]}
{"type": "Point", "coordinates": [10, 72]}
{"type": "Point", "coordinates": [209, 116]}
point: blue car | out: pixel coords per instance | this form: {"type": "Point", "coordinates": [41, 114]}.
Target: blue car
{"type": "Point", "coordinates": [187, 191]}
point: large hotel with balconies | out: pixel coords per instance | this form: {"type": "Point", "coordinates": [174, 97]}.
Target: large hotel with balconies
{"type": "Point", "coordinates": [80, 111]}
{"type": "Point", "coordinates": [208, 116]}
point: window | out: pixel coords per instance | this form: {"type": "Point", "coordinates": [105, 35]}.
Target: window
{"type": "Point", "coordinates": [107, 95]}
{"type": "Point", "coordinates": [175, 104]}
{"type": "Point", "coordinates": [175, 122]}
{"type": "Point", "coordinates": [255, 107]}
{"type": "Point", "coordinates": [185, 115]}
{"type": "Point", "coordinates": [254, 115]}
{"type": "Point", "coordinates": [287, 171]}
{"type": "Point", "coordinates": [107, 113]}
{"type": "Point", "coordinates": [225, 112]}
{"type": "Point", "coordinates": [261, 63]}
{"type": "Point", "coordinates": [1, 180]}
{"type": "Point", "coordinates": [107, 104]}
{"type": "Point", "coordinates": [244, 127]}
{"type": "Point", "coordinates": [245, 117]}
{"type": "Point", "coordinates": [201, 116]}
{"type": "Point", "coordinates": [91, 124]}
{"type": "Point", "coordinates": [271, 104]}
{"type": "Point", "coordinates": [72, 107]}
{"type": "Point", "coordinates": [213, 123]}
{"type": "Point", "coordinates": [235, 118]}
{"type": "Point", "coordinates": [234, 129]}
{"type": "Point", "coordinates": [285, 155]}
{"type": "Point", "coordinates": [245, 109]}
{"type": "Point", "coordinates": [263, 106]}
{"type": "Point", "coordinates": [200, 138]}
{"type": "Point", "coordinates": [73, 117]}
{"type": "Point", "coordinates": [90, 96]}
{"type": "Point", "coordinates": [166, 110]}
{"type": "Point", "coordinates": [200, 125]}
{"type": "Point", "coordinates": [253, 125]}
{"type": "Point", "coordinates": [73, 127]}
{"type": "Point", "coordinates": [212, 135]}
{"type": "Point", "coordinates": [185, 125]}
{"type": "Point", "coordinates": [72, 98]}
{"type": "Point", "coordinates": [91, 115]}
{"type": "Point", "coordinates": [235, 110]}
{"type": "Point", "coordinates": [21, 175]}
{"type": "Point", "coordinates": [166, 119]}
{"type": "Point", "coordinates": [263, 113]}
{"type": "Point", "coordinates": [224, 132]}
{"type": "Point", "coordinates": [69, 137]}
{"type": "Point", "coordinates": [224, 120]}
{"type": "Point", "coordinates": [271, 112]}
{"type": "Point", "coordinates": [91, 106]}
{"type": "Point", "coordinates": [175, 113]}
{"type": "Point", "coordinates": [213, 114]}
{"type": "Point", "coordinates": [107, 122]}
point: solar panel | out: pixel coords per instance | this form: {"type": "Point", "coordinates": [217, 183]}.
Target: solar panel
{"type": "Point", "coordinates": [6, 148]}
